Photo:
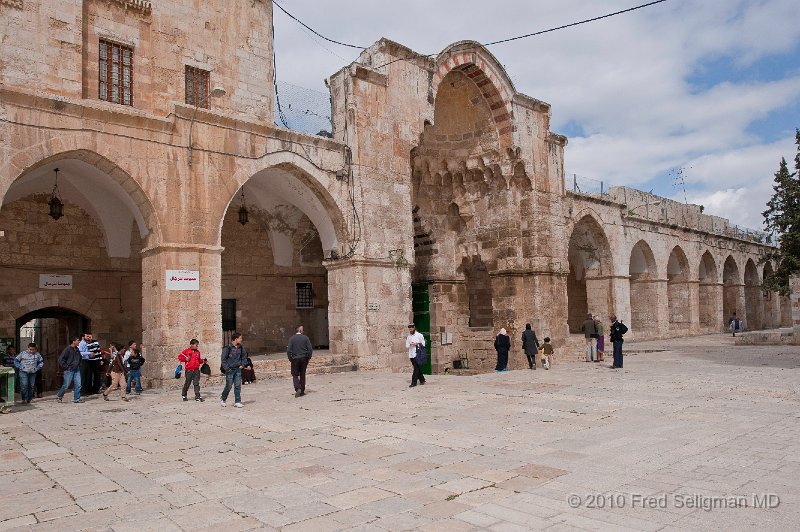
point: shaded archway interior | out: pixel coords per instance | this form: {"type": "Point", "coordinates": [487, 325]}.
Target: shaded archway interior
{"type": "Point", "coordinates": [273, 276]}
{"type": "Point", "coordinates": [678, 290]}
{"type": "Point", "coordinates": [590, 269]}
{"type": "Point", "coordinates": [643, 274]}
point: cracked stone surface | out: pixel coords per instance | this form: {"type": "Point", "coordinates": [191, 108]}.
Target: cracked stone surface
{"type": "Point", "coordinates": [687, 418]}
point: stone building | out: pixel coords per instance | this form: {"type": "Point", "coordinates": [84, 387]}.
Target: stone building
{"type": "Point", "coordinates": [442, 185]}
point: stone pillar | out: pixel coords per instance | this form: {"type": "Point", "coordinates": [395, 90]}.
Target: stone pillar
{"type": "Point", "coordinates": [661, 327]}
{"type": "Point", "coordinates": [693, 309]}
{"type": "Point", "coordinates": [170, 318]}
{"type": "Point", "coordinates": [369, 307]}
{"type": "Point", "coordinates": [621, 298]}
{"type": "Point", "coordinates": [720, 324]}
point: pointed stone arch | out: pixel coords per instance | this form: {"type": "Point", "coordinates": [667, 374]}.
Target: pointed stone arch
{"type": "Point", "coordinates": [479, 65]}
{"type": "Point", "coordinates": [590, 269]}
{"type": "Point", "coordinates": [708, 294]}
{"type": "Point", "coordinates": [732, 290]}
{"type": "Point", "coordinates": [753, 306]}
{"type": "Point", "coordinates": [678, 290]}
{"type": "Point", "coordinates": [643, 278]}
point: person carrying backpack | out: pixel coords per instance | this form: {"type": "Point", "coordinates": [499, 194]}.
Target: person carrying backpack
{"type": "Point", "coordinates": [233, 359]}
{"type": "Point", "coordinates": [618, 329]}
{"type": "Point", "coordinates": [191, 359]}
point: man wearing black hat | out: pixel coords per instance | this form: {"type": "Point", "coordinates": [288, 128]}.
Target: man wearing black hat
{"type": "Point", "coordinates": [412, 340]}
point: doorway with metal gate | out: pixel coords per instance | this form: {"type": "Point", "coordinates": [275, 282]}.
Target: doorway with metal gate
{"type": "Point", "coordinates": [49, 328]}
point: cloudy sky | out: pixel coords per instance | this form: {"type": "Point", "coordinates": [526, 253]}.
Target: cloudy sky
{"type": "Point", "coordinates": [711, 87]}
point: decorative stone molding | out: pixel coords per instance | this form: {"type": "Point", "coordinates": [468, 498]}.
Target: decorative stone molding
{"type": "Point", "coordinates": [143, 6]}
{"type": "Point", "coordinates": [11, 3]}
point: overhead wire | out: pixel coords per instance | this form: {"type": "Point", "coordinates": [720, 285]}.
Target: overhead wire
{"type": "Point", "coordinates": [315, 32]}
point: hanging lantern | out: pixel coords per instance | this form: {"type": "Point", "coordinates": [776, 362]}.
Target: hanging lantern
{"type": "Point", "coordinates": [56, 206]}
{"type": "Point", "coordinates": [243, 214]}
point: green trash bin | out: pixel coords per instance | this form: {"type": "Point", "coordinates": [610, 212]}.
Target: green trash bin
{"type": "Point", "coordinates": [7, 376]}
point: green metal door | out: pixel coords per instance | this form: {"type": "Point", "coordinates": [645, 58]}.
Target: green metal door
{"type": "Point", "coordinates": [421, 307]}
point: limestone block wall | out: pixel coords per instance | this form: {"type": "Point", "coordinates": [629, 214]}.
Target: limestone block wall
{"type": "Point", "coordinates": [54, 46]}
{"type": "Point", "coordinates": [794, 284]}
{"type": "Point", "coordinates": [105, 290]}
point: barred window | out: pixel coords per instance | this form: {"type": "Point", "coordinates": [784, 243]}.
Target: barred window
{"type": "Point", "coordinates": [305, 295]}
{"type": "Point", "coordinates": [197, 87]}
{"type": "Point", "coordinates": [116, 73]}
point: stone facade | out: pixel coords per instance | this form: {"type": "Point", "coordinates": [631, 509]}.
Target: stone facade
{"type": "Point", "coordinates": [440, 178]}
{"type": "Point", "coordinates": [795, 298]}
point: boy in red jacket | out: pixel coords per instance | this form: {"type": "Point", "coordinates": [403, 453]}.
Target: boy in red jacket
{"type": "Point", "coordinates": [190, 357]}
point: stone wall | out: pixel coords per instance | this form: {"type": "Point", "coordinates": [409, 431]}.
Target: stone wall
{"type": "Point", "coordinates": [105, 290]}
{"type": "Point", "coordinates": [794, 284]}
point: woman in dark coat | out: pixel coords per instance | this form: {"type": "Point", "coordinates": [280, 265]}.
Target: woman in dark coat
{"type": "Point", "coordinates": [502, 344]}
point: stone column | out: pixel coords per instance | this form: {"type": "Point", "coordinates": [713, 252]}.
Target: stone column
{"type": "Point", "coordinates": [720, 324]}
{"type": "Point", "coordinates": [661, 327]}
{"type": "Point", "coordinates": [171, 318]}
{"type": "Point", "coordinates": [621, 298]}
{"type": "Point", "coordinates": [694, 307]}
{"type": "Point", "coordinates": [369, 307]}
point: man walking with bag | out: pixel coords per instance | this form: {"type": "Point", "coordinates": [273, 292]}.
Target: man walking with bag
{"type": "Point", "coordinates": [234, 358]}
{"type": "Point", "coordinates": [299, 352]}
{"type": "Point", "coordinates": [412, 340]}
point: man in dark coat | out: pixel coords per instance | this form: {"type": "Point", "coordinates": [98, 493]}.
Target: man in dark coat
{"type": "Point", "coordinates": [233, 359]}
{"type": "Point", "coordinates": [530, 344]}
{"type": "Point", "coordinates": [70, 362]}
{"type": "Point", "coordinates": [299, 352]}
{"type": "Point", "coordinates": [618, 329]}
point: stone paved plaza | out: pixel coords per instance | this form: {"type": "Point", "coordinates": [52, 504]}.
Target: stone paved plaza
{"type": "Point", "coordinates": [493, 451]}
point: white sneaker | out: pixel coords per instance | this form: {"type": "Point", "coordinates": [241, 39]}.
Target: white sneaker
{"type": "Point", "coordinates": [238, 405]}
{"type": "Point", "coordinates": [222, 403]}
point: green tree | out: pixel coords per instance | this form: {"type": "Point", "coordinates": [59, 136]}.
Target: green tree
{"type": "Point", "coordinates": [782, 218]}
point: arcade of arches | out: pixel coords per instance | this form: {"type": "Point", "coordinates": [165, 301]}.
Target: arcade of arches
{"type": "Point", "coordinates": [439, 176]}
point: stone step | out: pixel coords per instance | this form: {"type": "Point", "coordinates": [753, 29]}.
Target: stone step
{"type": "Point", "coordinates": [278, 366]}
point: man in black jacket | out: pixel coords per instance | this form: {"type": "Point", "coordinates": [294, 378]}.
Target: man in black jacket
{"type": "Point", "coordinates": [233, 359]}
{"type": "Point", "coordinates": [299, 352]}
{"type": "Point", "coordinates": [618, 329]}
{"type": "Point", "coordinates": [70, 362]}
{"type": "Point", "coordinates": [530, 344]}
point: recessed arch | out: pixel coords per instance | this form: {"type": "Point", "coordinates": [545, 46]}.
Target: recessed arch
{"type": "Point", "coordinates": [97, 185]}
{"type": "Point", "coordinates": [590, 269]}
{"type": "Point", "coordinates": [678, 289]}
{"type": "Point", "coordinates": [479, 65]}
{"type": "Point", "coordinates": [708, 291]}
{"type": "Point", "coordinates": [753, 298]}
{"type": "Point", "coordinates": [771, 303]}
{"type": "Point", "coordinates": [643, 275]}
{"type": "Point", "coordinates": [732, 290]}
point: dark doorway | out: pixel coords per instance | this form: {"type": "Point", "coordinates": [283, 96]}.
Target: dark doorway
{"type": "Point", "coordinates": [50, 328]}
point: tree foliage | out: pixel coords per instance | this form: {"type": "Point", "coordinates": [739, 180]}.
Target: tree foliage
{"type": "Point", "coordinates": [782, 218]}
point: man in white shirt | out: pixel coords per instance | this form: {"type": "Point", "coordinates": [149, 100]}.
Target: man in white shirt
{"type": "Point", "coordinates": [412, 340]}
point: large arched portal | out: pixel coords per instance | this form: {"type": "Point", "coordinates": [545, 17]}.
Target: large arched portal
{"type": "Point", "coordinates": [644, 289]}
{"type": "Point", "coordinates": [732, 290]}
{"type": "Point", "coordinates": [708, 293]}
{"type": "Point", "coordinates": [88, 259]}
{"type": "Point", "coordinates": [752, 295]}
{"type": "Point", "coordinates": [273, 277]}
{"type": "Point", "coordinates": [678, 290]}
{"type": "Point", "coordinates": [590, 269]}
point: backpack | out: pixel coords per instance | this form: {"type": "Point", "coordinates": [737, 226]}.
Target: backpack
{"type": "Point", "coordinates": [422, 355]}
{"type": "Point", "coordinates": [225, 352]}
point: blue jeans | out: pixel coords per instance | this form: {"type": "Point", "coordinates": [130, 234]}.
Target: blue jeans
{"type": "Point", "coordinates": [234, 376]}
{"type": "Point", "coordinates": [71, 375]}
{"type": "Point", "coordinates": [27, 382]}
{"type": "Point", "coordinates": [137, 375]}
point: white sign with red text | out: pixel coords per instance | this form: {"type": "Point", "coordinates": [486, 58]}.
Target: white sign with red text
{"type": "Point", "coordinates": [183, 280]}
{"type": "Point", "coordinates": [51, 281]}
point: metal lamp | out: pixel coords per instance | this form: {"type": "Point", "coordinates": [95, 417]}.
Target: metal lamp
{"type": "Point", "coordinates": [55, 203]}
{"type": "Point", "coordinates": [243, 214]}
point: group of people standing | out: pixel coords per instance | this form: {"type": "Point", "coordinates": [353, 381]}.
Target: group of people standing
{"type": "Point", "coordinates": [594, 333]}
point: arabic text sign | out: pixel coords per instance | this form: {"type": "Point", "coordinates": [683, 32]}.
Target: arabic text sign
{"type": "Point", "coordinates": [183, 280]}
{"type": "Point", "coordinates": [50, 281]}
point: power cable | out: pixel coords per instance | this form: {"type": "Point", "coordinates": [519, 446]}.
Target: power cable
{"type": "Point", "coordinates": [315, 32]}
